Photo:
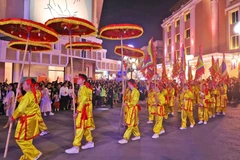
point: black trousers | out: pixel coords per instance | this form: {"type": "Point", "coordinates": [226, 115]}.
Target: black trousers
{"type": "Point", "coordinates": [64, 102]}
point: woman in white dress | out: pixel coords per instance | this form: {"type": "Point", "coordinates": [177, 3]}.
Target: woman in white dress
{"type": "Point", "coordinates": [8, 104]}
{"type": "Point", "coordinates": [46, 103]}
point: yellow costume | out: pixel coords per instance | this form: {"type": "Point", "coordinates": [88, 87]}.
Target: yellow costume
{"type": "Point", "coordinates": [126, 98]}
{"type": "Point", "coordinates": [42, 125]}
{"type": "Point", "coordinates": [158, 127]}
{"type": "Point", "coordinates": [187, 109]}
{"type": "Point", "coordinates": [223, 101]}
{"type": "Point", "coordinates": [206, 104]}
{"type": "Point", "coordinates": [150, 102]}
{"type": "Point", "coordinates": [83, 120]}
{"type": "Point", "coordinates": [27, 126]}
{"type": "Point", "coordinates": [171, 100]}
{"type": "Point", "coordinates": [212, 104]}
{"type": "Point", "coordinates": [91, 108]}
{"type": "Point", "coordinates": [132, 115]}
{"type": "Point", "coordinates": [166, 105]}
{"type": "Point", "coordinates": [180, 100]}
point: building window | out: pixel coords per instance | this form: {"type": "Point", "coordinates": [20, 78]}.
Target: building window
{"type": "Point", "coordinates": [187, 33]}
{"type": "Point", "coordinates": [234, 42]}
{"type": "Point", "coordinates": [234, 17]}
{"type": "Point", "coordinates": [169, 57]}
{"type": "Point", "coordinates": [177, 54]}
{"type": "Point", "coordinates": [177, 38]}
{"type": "Point", "coordinates": [177, 23]}
{"type": "Point", "coordinates": [169, 28]}
{"type": "Point", "coordinates": [169, 41]}
{"type": "Point", "coordinates": [187, 50]}
{"type": "Point", "coordinates": [187, 16]}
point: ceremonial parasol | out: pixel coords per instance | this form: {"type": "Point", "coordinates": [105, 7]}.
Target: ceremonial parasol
{"type": "Point", "coordinates": [84, 46]}
{"type": "Point", "coordinates": [129, 51]}
{"type": "Point", "coordinates": [32, 47]}
{"type": "Point", "coordinates": [72, 26]}
{"type": "Point", "coordinates": [121, 32]}
{"type": "Point", "coordinates": [29, 31]}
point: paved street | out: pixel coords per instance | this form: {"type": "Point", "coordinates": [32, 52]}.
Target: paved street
{"type": "Point", "coordinates": [218, 140]}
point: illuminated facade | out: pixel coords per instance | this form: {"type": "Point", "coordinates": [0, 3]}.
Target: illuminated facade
{"type": "Point", "coordinates": [205, 23]}
{"type": "Point", "coordinates": [52, 64]}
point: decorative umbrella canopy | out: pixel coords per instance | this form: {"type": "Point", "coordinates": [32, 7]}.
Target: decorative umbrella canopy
{"type": "Point", "coordinates": [23, 29]}
{"type": "Point", "coordinates": [121, 31]}
{"type": "Point", "coordinates": [129, 51]}
{"type": "Point", "coordinates": [77, 26]}
{"type": "Point", "coordinates": [84, 46]}
{"type": "Point", "coordinates": [32, 46]}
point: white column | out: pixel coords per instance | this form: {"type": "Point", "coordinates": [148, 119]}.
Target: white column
{"type": "Point", "coordinates": [165, 41]}
{"type": "Point", "coordinates": [214, 4]}
{"type": "Point", "coordinates": [173, 33]}
{"type": "Point", "coordinates": [26, 12]}
{"type": "Point", "coordinates": [182, 30]}
{"type": "Point", "coordinates": [16, 72]}
{"type": "Point", "coordinates": [192, 31]}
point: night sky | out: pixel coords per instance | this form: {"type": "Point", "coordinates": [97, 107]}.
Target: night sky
{"type": "Point", "coordinates": [147, 13]}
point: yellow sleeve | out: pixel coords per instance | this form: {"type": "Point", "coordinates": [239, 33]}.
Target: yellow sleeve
{"type": "Point", "coordinates": [25, 100]}
{"type": "Point", "coordinates": [188, 95]}
{"type": "Point", "coordinates": [162, 99]}
{"type": "Point", "coordinates": [82, 98]}
{"type": "Point", "coordinates": [134, 98]}
{"type": "Point", "coordinates": [172, 92]}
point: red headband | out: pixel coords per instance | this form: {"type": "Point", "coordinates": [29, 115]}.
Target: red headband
{"type": "Point", "coordinates": [33, 89]}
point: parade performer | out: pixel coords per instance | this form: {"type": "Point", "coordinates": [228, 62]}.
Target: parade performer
{"type": "Point", "coordinates": [82, 118]}
{"type": "Point", "coordinates": [187, 110]}
{"type": "Point", "coordinates": [150, 102]}
{"type": "Point", "coordinates": [126, 98]}
{"type": "Point", "coordinates": [28, 125]}
{"type": "Point", "coordinates": [166, 105]}
{"type": "Point", "coordinates": [132, 114]}
{"type": "Point", "coordinates": [171, 99]}
{"type": "Point", "coordinates": [88, 85]}
{"type": "Point", "coordinates": [203, 108]}
{"type": "Point", "coordinates": [159, 104]}
{"type": "Point", "coordinates": [223, 101]}
{"type": "Point", "coordinates": [212, 105]}
{"type": "Point", "coordinates": [180, 99]}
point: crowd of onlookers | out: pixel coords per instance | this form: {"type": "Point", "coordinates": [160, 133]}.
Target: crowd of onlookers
{"type": "Point", "coordinates": [58, 95]}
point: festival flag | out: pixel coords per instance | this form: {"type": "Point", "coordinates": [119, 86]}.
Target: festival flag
{"type": "Point", "coordinates": [150, 57]}
{"type": "Point", "coordinates": [200, 70]}
{"type": "Point", "coordinates": [164, 72]}
{"type": "Point", "coordinates": [211, 69]}
{"type": "Point", "coordinates": [224, 73]}
{"type": "Point", "coordinates": [183, 65]}
{"type": "Point", "coordinates": [148, 66]}
{"type": "Point", "coordinates": [190, 76]}
{"type": "Point", "coordinates": [175, 69]}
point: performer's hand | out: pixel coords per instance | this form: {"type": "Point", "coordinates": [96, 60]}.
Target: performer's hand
{"type": "Point", "coordinates": [124, 103]}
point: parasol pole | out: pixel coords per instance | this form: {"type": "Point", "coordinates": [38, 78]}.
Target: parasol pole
{"type": "Point", "coordinates": [72, 80]}
{"type": "Point", "coordinates": [15, 100]}
{"type": "Point", "coordinates": [83, 62]}
{"type": "Point", "coordinates": [123, 87]}
{"type": "Point", "coordinates": [30, 59]}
